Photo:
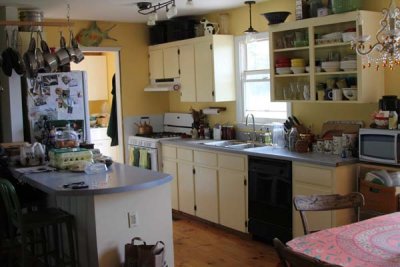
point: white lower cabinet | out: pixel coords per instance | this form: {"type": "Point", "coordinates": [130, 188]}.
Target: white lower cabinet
{"type": "Point", "coordinates": [210, 185]}
{"type": "Point", "coordinates": [186, 187]}
{"type": "Point", "coordinates": [232, 199]}
{"type": "Point", "coordinates": [309, 179]}
{"type": "Point", "coordinates": [206, 192]}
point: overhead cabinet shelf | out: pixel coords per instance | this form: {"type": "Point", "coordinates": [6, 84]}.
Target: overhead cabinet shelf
{"type": "Point", "coordinates": [306, 39]}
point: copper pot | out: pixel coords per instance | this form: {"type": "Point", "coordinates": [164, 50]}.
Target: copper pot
{"type": "Point", "coordinates": [144, 128]}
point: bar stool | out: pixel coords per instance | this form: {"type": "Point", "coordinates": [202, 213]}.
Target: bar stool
{"type": "Point", "coordinates": [40, 233]}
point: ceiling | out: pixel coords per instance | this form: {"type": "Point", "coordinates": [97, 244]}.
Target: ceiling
{"type": "Point", "coordinates": [117, 10]}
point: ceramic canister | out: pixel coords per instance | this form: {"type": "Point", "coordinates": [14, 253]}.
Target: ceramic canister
{"type": "Point", "coordinates": [337, 144]}
{"type": "Point", "coordinates": [328, 146]}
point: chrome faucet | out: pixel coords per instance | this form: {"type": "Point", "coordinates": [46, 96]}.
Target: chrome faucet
{"type": "Point", "coordinates": [253, 136]}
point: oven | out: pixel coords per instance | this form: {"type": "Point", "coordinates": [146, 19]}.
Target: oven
{"type": "Point", "coordinates": [145, 150]}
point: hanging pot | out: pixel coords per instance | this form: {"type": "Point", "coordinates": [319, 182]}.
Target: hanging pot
{"type": "Point", "coordinates": [30, 59]}
{"type": "Point", "coordinates": [16, 60]}
{"type": "Point", "coordinates": [62, 53]}
{"type": "Point", "coordinates": [78, 53]}
{"type": "Point", "coordinates": [50, 60]}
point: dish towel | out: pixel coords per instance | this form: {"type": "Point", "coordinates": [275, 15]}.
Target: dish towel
{"type": "Point", "coordinates": [143, 160]}
{"type": "Point", "coordinates": [136, 157]}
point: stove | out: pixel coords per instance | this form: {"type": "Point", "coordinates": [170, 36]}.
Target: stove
{"type": "Point", "coordinates": [176, 126]}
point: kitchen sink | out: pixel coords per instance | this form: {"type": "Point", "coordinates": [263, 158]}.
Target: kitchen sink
{"type": "Point", "coordinates": [234, 144]}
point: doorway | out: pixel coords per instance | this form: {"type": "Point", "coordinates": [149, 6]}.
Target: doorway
{"type": "Point", "coordinates": [104, 62]}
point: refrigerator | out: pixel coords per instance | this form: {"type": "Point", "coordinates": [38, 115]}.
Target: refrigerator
{"type": "Point", "coordinates": [57, 99]}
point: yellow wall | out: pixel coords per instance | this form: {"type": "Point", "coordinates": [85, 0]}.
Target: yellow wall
{"type": "Point", "coordinates": [132, 38]}
{"type": "Point", "coordinates": [311, 114]}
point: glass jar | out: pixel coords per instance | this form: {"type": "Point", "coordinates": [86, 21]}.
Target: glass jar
{"type": "Point", "coordinates": [314, 5]}
{"type": "Point", "coordinates": [278, 136]}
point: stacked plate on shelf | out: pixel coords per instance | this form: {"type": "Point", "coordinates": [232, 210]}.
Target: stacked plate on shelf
{"type": "Point", "coordinates": [348, 65]}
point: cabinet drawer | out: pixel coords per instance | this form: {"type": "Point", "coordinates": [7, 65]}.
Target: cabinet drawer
{"type": "Point", "coordinates": [169, 152]}
{"type": "Point", "coordinates": [313, 175]}
{"type": "Point", "coordinates": [205, 158]}
{"type": "Point", "coordinates": [185, 154]}
{"type": "Point", "coordinates": [232, 162]}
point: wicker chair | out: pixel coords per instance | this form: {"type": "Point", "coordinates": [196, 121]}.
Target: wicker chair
{"type": "Point", "coordinates": [303, 204]}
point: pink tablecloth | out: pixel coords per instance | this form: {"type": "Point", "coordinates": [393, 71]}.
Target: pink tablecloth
{"type": "Point", "coordinates": [370, 243]}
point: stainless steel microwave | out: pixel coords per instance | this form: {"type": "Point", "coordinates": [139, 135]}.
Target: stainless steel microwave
{"type": "Point", "coordinates": [380, 146]}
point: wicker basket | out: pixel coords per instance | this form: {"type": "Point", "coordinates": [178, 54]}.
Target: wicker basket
{"type": "Point", "coordinates": [341, 6]}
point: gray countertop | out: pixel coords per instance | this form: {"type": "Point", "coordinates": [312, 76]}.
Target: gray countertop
{"type": "Point", "coordinates": [270, 152]}
{"type": "Point", "coordinates": [118, 178]}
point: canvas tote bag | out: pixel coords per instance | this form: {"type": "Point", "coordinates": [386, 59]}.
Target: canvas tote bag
{"type": "Point", "coordinates": [143, 255]}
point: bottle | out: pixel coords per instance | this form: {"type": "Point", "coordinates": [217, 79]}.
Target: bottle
{"type": "Point", "coordinates": [393, 118]}
{"type": "Point", "coordinates": [292, 139]}
{"type": "Point", "coordinates": [195, 134]}
{"type": "Point", "coordinates": [267, 137]}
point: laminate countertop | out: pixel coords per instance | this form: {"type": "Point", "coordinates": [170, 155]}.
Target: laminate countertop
{"type": "Point", "coordinates": [119, 178]}
{"type": "Point", "coordinates": [324, 159]}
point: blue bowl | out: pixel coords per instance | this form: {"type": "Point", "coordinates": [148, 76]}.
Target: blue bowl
{"type": "Point", "coordinates": [276, 17]}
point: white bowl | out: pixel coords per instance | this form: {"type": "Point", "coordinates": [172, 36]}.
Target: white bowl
{"type": "Point", "coordinates": [330, 64]}
{"type": "Point", "coordinates": [350, 93]}
{"type": "Point", "coordinates": [297, 70]}
{"type": "Point", "coordinates": [348, 36]}
{"type": "Point", "coordinates": [283, 70]}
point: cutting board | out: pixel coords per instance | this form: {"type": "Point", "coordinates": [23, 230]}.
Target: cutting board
{"type": "Point", "coordinates": [331, 128]}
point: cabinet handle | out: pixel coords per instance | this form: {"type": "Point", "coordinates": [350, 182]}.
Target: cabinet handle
{"type": "Point", "coordinates": [194, 171]}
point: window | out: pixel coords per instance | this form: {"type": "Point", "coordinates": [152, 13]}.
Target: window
{"type": "Point", "coordinates": [253, 74]}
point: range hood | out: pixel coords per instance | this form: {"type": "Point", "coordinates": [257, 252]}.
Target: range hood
{"type": "Point", "coordinates": [163, 85]}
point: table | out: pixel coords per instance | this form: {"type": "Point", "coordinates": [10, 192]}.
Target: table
{"type": "Point", "coordinates": [103, 209]}
{"type": "Point", "coordinates": [370, 243]}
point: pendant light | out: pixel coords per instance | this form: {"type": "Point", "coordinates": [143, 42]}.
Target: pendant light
{"type": "Point", "coordinates": [250, 31]}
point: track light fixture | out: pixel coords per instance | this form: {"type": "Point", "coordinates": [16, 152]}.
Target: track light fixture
{"type": "Point", "coordinates": [148, 8]}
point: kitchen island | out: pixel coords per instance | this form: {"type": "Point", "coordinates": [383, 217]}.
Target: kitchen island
{"type": "Point", "coordinates": [118, 205]}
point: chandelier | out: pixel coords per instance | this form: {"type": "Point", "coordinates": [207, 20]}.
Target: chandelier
{"type": "Point", "coordinates": [386, 51]}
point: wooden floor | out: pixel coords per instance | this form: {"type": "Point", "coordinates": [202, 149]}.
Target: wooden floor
{"type": "Point", "coordinates": [198, 244]}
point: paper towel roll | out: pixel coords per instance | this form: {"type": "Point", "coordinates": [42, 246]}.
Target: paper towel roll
{"type": "Point", "coordinates": [211, 111]}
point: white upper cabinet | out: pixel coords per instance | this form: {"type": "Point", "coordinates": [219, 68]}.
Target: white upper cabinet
{"type": "Point", "coordinates": [318, 41]}
{"type": "Point", "coordinates": [96, 68]}
{"type": "Point", "coordinates": [205, 66]}
{"type": "Point", "coordinates": [188, 73]}
{"type": "Point", "coordinates": [156, 65]}
{"type": "Point", "coordinates": [171, 62]}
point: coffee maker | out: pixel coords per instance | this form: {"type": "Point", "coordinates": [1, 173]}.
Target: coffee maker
{"type": "Point", "coordinates": [389, 103]}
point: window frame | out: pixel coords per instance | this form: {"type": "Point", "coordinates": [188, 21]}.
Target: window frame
{"type": "Point", "coordinates": [240, 58]}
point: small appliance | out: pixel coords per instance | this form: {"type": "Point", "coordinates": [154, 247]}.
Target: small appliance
{"type": "Point", "coordinates": [379, 146]}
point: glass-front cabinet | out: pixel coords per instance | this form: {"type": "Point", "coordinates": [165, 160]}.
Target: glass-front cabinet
{"type": "Point", "coordinates": [312, 60]}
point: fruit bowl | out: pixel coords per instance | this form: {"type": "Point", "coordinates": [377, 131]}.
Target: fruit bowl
{"type": "Point", "coordinates": [276, 17]}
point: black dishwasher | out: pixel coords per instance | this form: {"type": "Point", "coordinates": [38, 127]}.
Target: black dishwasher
{"type": "Point", "coordinates": [270, 198]}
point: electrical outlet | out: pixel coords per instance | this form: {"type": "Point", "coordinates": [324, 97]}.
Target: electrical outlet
{"type": "Point", "coordinates": [133, 219]}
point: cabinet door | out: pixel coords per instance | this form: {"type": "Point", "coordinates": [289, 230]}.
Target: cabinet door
{"type": "Point", "coordinates": [170, 167]}
{"type": "Point", "coordinates": [96, 68]}
{"type": "Point", "coordinates": [186, 187]}
{"type": "Point", "coordinates": [232, 199]}
{"type": "Point", "coordinates": [206, 188]}
{"type": "Point", "coordinates": [204, 72]}
{"type": "Point", "coordinates": [156, 66]}
{"type": "Point", "coordinates": [188, 76]}
{"type": "Point", "coordinates": [171, 62]}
